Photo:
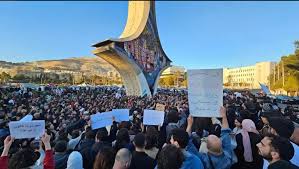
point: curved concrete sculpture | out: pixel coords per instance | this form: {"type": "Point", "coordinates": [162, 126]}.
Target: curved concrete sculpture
{"type": "Point", "coordinates": [137, 54]}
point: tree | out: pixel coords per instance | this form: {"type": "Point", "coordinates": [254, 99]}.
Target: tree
{"type": "Point", "coordinates": [296, 43]}
{"type": "Point", "coordinates": [20, 77]}
{"type": "Point", "coordinates": [289, 72]}
{"type": "Point", "coordinates": [4, 77]}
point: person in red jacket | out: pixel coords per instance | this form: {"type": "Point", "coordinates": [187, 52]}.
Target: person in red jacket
{"type": "Point", "coordinates": [17, 162]}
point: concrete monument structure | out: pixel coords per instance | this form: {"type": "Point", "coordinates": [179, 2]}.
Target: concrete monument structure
{"type": "Point", "coordinates": [137, 54]}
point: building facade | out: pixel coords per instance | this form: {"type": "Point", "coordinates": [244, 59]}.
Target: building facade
{"type": "Point", "coordinates": [173, 70]}
{"type": "Point", "coordinates": [248, 77]}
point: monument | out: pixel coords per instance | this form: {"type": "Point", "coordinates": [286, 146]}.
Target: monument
{"type": "Point", "coordinates": [137, 54]}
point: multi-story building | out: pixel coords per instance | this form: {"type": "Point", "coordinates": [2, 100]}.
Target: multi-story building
{"type": "Point", "coordinates": [248, 76]}
{"type": "Point", "coordinates": [177, 72]}
{"type": "Point", "coordinates": [173, 70]}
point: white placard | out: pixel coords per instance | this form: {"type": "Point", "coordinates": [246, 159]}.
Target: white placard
{"type": "Point", "coordinates": [28, 117]}
{"type": "Point", "coordinates": [101, 120]}
{"type": "Point", "coordinates": [121, 114]}
{"type": "Point", "coordinates": [27, 129]}
{"type": "Point", "coordinates": [153, 117]}
{"type": "Point", "coordinates": [205, 92]}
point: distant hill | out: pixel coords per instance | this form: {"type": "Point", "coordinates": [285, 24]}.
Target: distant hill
{"type": "Point", "coordinates": [79, 64]}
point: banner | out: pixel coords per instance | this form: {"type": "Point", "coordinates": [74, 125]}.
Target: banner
{"type": "Point", "coordinates": [101, 120]}
{"type": "Point", "coordinates": [265, 89]}
{"type": "Point", "coordinates": [205, 92]}
{"type": "Point", "coordinates": [153, 117]}
{"type": "Point", "coordinates": [27, 129]}
{"type": "Point", "coordinates": [121, 114]}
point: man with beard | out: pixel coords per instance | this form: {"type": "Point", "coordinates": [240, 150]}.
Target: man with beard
{"type": "Point", "coordinates": [277, 151]}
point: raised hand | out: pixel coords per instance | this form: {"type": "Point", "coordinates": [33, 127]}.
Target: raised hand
{"type": "Point", "coordinates": [190, 120]}
{"type": "Point", "coordinates": [190, 123]}
{"type": "Point", "coordinates": [223, 111]}
{"type": "Point", "coordinates": [7, 143]}
{"type": "Point", "coordinates": [46, 140]}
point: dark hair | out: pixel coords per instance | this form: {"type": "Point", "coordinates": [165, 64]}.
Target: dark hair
{"type": "Point", "coordinates": [181, 136]}
{"type": "Point", "coordinates": [215, 130]}
{"type": "Point", "coordinates": [170, 157]}
{"type": "Point", "coordinates": [90, 135]}
{"type": "Point", "coordinates": [283, 147]}
{"type": "Point", "coordinates": [23, 159]}
{"type": "Point", "coordinates": [124, 124]}
{"type": "Point", "coordinates": [102, 134]}
{"type": "Point", "coordinates": [283, 127]}
{"type": "Point", "coordinates": [239, 119]}
{"type": "Point", "coordinates": [63, 136]}
{"type": "Point", "coordinates": [172, 116]}
{"type": "Point", "coordinates": [104, 159]}
{"type": "Point", "coordinates": [151, 137]}
{"type": "Point", "coordinates": [75, 134]}
{"type": "Point", "coordinates": [122, 138]}
{"type": "Point", "coordinates": [139, 140]}
{"type": "Point", "coordinates": [60, 146]}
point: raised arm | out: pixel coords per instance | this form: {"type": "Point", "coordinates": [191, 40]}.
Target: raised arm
{"type": "Point", "coordinates": [7, 143]}
{"type": "Point", "coordinates": [4, 156]}
{"type": "Point", "coordinates": [189, 125]}
{"type": "Point", "coordinates": [49, 158]}
{"type": "Point", "coordinates": [224, 118]}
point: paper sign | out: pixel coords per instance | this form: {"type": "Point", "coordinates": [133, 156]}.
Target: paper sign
{"type": "Point", "coordinates": [28, 117]}
{"type": "Point", "coordinates": [101, 120]}
{"type": "Point", "coordinates": [265, 89]}
{"type": "Point", "coordinates": [160, 107]}
{"type": "Point", "coordinates": [153, 117]}
{"type": "Point", "coordinates": [121, 114]}
{"type": "Point", "coordinates": [27, 129]}
{"type": "Point", "coordinates": [205, 92]}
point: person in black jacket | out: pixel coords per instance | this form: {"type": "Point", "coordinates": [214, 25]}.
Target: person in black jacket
{"type": "Point", "coordinates": [246, 149]}
{"type": "Point", "coordinates": [140, 160]}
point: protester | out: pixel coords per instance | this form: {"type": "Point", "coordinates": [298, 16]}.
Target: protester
{"type": "Point", "coordinates": [220, 151]}
{"type": "Point", "coordinates": [61, 154]}
{"type": "Point", "coordinates": [26, 158]}
{"type": "Point", "coordinates": [75, 161]}
{"type": "Point", "coordinates": [170, 157]}
{"type": "Point", "coordinates": [238, 126]}
{"type": "Point", "coordinates": [199, 143]}
{"type": "Point", "coordinates": [246, 149]}
{"type": "Point", "coordinates": [104, 159]}
{"type": "Point", "coordinates": [285, 128]}
{"type": "Point", "coordinates": [139, 158]}
{"type": "Point", "coordinates": [151, 139]}
{"type": "Point", "coordinates": [277, 151]}
{"type": "Point", "coordinates": [122, 159]}
{"type": "Point", "coordinates": [180, 138]}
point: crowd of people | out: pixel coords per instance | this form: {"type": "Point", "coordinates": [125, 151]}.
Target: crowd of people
{"type": "Point", "coordinates": [252, 133]}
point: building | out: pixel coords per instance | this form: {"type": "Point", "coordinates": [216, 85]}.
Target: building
{"type": "Point", "coordinates": [173, 70]}
{"type": "Point", "coordinates": [175, 74]}
{"type": "Point", "coordinates": [248, 77]}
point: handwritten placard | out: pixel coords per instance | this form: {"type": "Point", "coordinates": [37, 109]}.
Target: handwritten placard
{"type": "Point", "coordinates": [160, 107]}
{"type": "Point", "coordinates": [27, 129]}
{"type": "Point", "coordinates": [205, 92]}
{"type": "Point", "coordinates": [101, 120]}
{"type": "Point", "coordinates": [153, 117]}
{"type": "Point", "coordinates": [121, 114]}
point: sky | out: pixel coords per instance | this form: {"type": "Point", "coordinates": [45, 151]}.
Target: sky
{"type": "Point", "coordinates": [193, 34]}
